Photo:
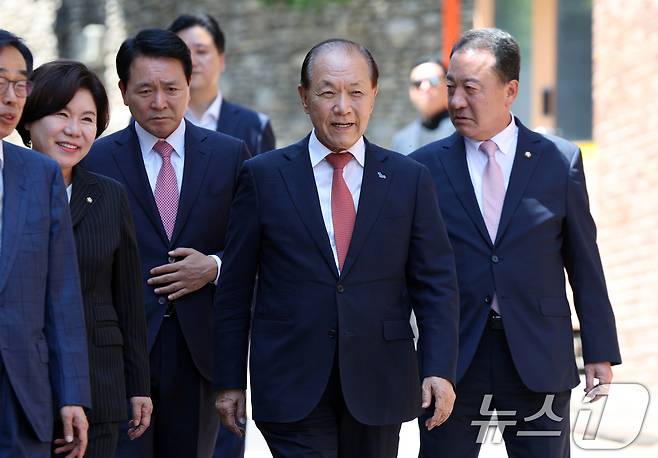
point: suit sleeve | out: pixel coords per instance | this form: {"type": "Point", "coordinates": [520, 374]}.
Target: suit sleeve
{"type": "Point", "coordinates": [129, 303]}
{"type": "Point", "coordinates": [432, 285]}
{"type": "Point", "coordinates": [583, 265]}
{"type": "Point", "coordinates": [236, 286]}
{"type": "Point", "coordinates": [64, 320]}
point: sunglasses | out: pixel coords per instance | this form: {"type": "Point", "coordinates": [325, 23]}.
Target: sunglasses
{"type": "Point", "coordinates": [433, 81]}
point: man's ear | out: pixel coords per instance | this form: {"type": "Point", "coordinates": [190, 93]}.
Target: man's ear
{"type": "Point", "coordinates": [303, 94]}
{"type": "Point", "coordinates": [122, 88]}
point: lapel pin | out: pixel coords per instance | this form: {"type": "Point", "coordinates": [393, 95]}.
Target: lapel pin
{"type": "Point", "coordinates": [89, 200]}
{"type": "Point", "coordinates": [381, 175]}
{"type": "Point", "coordinates": [528, 154]}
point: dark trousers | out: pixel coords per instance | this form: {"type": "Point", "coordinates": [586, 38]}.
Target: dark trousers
{"type": "Point", "coordinates": [184, 421]}
{"type": "Point", "coordinates": [526, 432]}
{"type": "Point", "coordinates": [17, 439]}
{"type": "Point", "coordinates": [330, 431]}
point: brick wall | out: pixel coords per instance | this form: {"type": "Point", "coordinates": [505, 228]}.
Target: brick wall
{"type": "Point", "coordinates": [625, 84]}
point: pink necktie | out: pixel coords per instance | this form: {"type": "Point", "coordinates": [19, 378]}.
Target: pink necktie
{"type": "Point", "coordinates": [493, 196]}
{"type": "Point", "coordinates": [166, 187]}
{"type": "Point", "coordinates": [342, 205]}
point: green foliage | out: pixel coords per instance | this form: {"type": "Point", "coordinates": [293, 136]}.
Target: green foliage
{"type": "Point", "coordinates": [303, 3]}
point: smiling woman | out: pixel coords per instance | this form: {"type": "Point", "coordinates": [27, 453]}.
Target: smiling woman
{"type": "Point", "coordinates": [66, 112]}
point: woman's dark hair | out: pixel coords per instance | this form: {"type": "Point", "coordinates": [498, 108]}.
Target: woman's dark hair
{"type": "Point", "coordinates": [54, 85]}
{"type": "Point", "coordinates": [185, 21]}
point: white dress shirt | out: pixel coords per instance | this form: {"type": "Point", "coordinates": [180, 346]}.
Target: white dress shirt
{"type": "Point", "coordinates": [153, 161]}
{"type": "Point", "coordinates": [477, 160]}
{"type": "Point", "coordinates": [210, 118]}
{"type": "Point", "coordinates": [69, 191]}
{"type": "Point", "coordinates": [324, 172]}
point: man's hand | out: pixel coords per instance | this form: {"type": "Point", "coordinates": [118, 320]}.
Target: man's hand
{"type": "Point", "coordinates": [231, 405]}
{"type": "Point", "coordinates": [194, 271]}
{"type": "Point", "coordinates": [141, 407]}
{"type": "Point", "coordinates": [74, 429]}
{"type": "Point", "coordinates": [444, 399]}
{"type": "Point", "coordinates": [602, 372]}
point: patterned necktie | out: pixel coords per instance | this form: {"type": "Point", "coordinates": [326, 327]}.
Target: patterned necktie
{"type": "Point", "coordinates": [342, 205]}
{"type": "Point", "coordinates": [493, 196]}
{"type": "Point", "coordinates": [166, 188]}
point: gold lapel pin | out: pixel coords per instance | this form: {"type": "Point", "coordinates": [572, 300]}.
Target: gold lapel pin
{"type": "Point", "coordinates": [89, 200]}
{"type": "Point", "coordinates": [528, 154]}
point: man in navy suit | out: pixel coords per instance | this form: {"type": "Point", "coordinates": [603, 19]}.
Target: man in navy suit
{"type": "Point", "coordinates": [43, 349]}
{"type": "Point", "coordinates": [347, 239]}
{"type": "Point", "coordinates": [516, 208]}
{"type": "Point", "coordinates": [180, 181]}
{"type": "Point", "coordinates": [208, 108]}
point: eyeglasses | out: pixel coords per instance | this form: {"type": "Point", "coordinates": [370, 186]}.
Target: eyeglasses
{"type": "Point", "coordinates": [433, 81]}
{"type": "Point", "coordinates": [22, 88]}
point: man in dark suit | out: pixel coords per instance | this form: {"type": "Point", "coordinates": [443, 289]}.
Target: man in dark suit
{"type": "Point", "coordinates": [208, 108]}
{"type": "Point", "coordinates": [43, 349]}
{"type": "Point", "coordinates": [180, 181]}
{"type": "Point", "coordinates": [516, 208]}
{"type": "Point", "coordinates": [347, 239]}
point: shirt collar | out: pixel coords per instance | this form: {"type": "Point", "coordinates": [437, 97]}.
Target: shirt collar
{"type": "Point", "coordinates": [212, 112]}
{"type": "Point", "coordinates": [148, 140]}
{"type": "Point", "coordinates": [318, 151]}
{"type": "Point", "coordinates": [2, 156]}
{"type": "Point", "coordinates": [503, 139]}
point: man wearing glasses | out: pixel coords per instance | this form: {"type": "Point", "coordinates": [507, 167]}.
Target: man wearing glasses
{"type": "Point", "coordinates": [427, 92]}
{"type": "Point", "coordinates": [43, 350]}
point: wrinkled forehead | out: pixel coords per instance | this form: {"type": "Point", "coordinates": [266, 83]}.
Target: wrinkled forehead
{"type": "Point", "coordinates": [340, 65]}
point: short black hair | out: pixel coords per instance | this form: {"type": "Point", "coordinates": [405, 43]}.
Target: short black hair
{"type": "Point", "coordinates": [500, 43]}
{"type": "Point", "coordinates": [430, 60]}
{"type": "Point", "coordinates": [9, 39]}
{"type": "Point", "coordinates": [334, 43]}
{"type": "Point", "coordinates": [54, 85]}
{"type": "Point", "coordinates": [185, 21]}
{"type": "Point", "coordinates": [152, 43]}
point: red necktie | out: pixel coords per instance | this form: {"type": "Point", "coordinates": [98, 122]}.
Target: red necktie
{"type": "Point", "coordinates": [342, 205]}
{"type": "Point", "coordinates": [166, 188]}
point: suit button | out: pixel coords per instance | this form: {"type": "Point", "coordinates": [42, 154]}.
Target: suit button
{"type": "Point", "coordinates": [495, 259]}
{"type": "Point", "coordinates": [332, 333]}
{"type": "Point", "coordinates": [171, 259]}
{"type": "Point", "coordinates": [340, 288]}
{"type": "Point", "coordinates": [487, 299]}
{"type": "Point", "coordinates": [162, 301]}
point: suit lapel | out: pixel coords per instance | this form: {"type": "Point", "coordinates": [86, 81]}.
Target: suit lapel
{"type": "Point", "coordinates": [128, 157]}
{"type": "Point", "coordinates": [194, 172]}
{"type": "Point", "coordinates": [228, 118]}
{"type": "Point", "coordinates": [454, 162]}
{"type": "Point", "coordinates": [85, 194]}
{"type": "Point", "coordinates": [14, 208]}
{"type": "Point", "coordinates": [377, 178]}
{"type": "Point", "coordinates": [522, 170]}
{"type": "Point", "coordinates": [300, 182]}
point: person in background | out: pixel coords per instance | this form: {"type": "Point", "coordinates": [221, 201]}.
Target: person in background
{"type": "Point", "coordinates": [180, 180]}
{"type": "Point", "coordinates": [428, 94]}
{"type": "Point", "coordinates": [66, 112]}
{"type": "Point", "coordinates": [208, 108]}
{"type": "Point", "coordinates": [516, 207]}
{"type": "Point", "coordinates": [44, 367]}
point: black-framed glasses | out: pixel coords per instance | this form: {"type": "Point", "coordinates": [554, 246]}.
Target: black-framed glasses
{"type": "Point", "coordinates": [22, 88]}
{"type": "Point", "coordinates": [433, 81]}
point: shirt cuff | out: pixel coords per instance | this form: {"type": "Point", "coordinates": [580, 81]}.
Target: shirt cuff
{"type": "Point", "coordinates": [219, 266]}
